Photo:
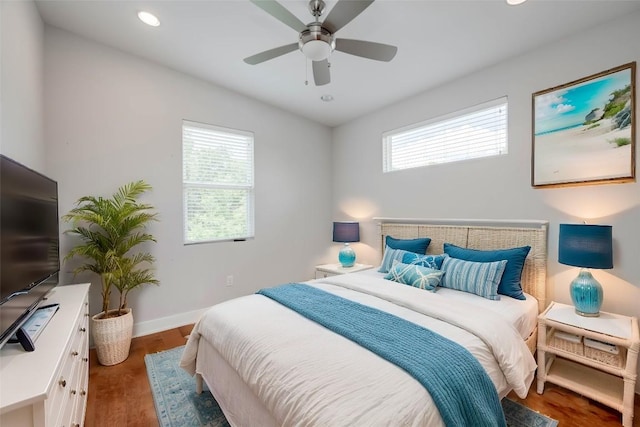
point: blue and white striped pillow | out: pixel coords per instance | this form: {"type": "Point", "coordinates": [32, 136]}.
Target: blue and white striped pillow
{"type": "Point", "coordinates": [391, 255]}
{"type": "Point", "coordinates": [480, 278]}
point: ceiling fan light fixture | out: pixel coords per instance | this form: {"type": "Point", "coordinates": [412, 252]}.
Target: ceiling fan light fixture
{"type": "Point", "coordinates": [316, 50]}
{"type": "Point", "coordinates": [316, 42]}
{"type": "Point", "coordinates": [148, 18]}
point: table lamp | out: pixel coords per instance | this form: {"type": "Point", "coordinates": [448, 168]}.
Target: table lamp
{"type": "Point", "coordinates": [586, 246]}
{"type": "Point", "coordinates": [346, 232]}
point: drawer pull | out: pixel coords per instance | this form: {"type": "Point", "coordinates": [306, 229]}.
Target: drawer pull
{"type": "Point", "coordinates": [63, 383]}
{"type": "Point", "coordinates": [73, 392]}
{"type": "Point", "coordinates": [75, 425]}
{"type": "Point", "coordinates": [74, 353]}
{"type": "Point", "coordinates": [83, 329]}
{"type": "Point", "coordinates": [83, 393]}
{"type": "Point", "coordinates": [85, 359]}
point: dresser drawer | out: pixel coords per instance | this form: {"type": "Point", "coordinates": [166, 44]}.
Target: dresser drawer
{"type": "Point", "coordinates": [81, 399]}
{"type": "Point", "coordinates": [323, 274]}
{"type": "Point", "coordinates": [61, 403]}
{"type": "Point", "coordinates": [59, 395]}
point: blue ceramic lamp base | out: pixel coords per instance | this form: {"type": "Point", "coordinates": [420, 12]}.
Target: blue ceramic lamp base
{"type": "Point", "coordinates": [586, 294]}
{"type": "Point", "coordinates": [347, 256]}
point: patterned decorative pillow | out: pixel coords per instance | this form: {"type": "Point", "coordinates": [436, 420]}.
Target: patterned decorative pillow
{"type": "Point", "coordinates": [390, 255]}
{"type": "Point", "coordinates": [415, 275]}
{"type": "Point", "coordinates": [431, 261]}
{"type": "Point", "coordinates": [480, 278]}
{"type": "Point", "coordinates": [510, 283]}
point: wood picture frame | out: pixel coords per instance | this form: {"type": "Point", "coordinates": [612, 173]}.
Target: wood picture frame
{"type": "Point", "coordinates": [584, 132]}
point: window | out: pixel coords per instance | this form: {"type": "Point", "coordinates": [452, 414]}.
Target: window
{"type": "Point", "coordinates": [479, 131]}
{"type": "Point", "coordinates": [217, 178]}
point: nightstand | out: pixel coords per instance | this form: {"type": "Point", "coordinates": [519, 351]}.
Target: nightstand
{"type": "Point", "coordinates": [594, 356]}
{"type": "Point", "coordinates": [328, 270]}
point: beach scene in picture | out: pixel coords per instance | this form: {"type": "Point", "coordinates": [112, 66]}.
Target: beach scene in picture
{"type": "Point", "coordinates": [583, 131]}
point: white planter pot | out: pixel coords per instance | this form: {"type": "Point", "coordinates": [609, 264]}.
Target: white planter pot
{"type": "Point", "coordinates": [112, 337]}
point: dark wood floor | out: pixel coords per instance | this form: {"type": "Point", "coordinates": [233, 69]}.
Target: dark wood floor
{"type": "Point", "coordinates": [120, 395]}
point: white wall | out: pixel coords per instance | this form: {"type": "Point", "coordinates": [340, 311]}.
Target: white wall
{"type": "Point", "coordinates": [21, 84]}
{"type": "Point", "coordinates": [111, 118]}
{"type": "Point", "coordinates": [499, 188]}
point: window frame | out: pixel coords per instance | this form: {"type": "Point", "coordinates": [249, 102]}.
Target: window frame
{"type": "Point", "coordinates": [249, 187]}
{"type": "Point", "coordinates": [387, 137]}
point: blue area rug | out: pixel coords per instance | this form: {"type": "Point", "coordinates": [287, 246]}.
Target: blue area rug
{"type": "Point", "coordinates": [518, 415]}
{"type": "Point", "coordinates": [174, 394]}
{"type": "Point", "coordinates": [178, 405]}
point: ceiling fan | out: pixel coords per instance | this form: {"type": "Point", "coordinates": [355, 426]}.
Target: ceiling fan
{"type": "Point", "coordinates": [317, 39]}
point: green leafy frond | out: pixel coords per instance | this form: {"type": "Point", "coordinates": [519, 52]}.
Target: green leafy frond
{"type": "Point", "coordinates": [142, 257]}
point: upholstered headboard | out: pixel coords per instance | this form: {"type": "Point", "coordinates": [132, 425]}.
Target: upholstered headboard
{"type": "Point", "coordinates": [482, 234]}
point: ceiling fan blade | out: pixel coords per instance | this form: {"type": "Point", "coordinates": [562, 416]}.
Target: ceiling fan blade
{"type": "Point", "coordinates": [270, 54]}
{"type": "Point", "coordinates": [343, 12]}
{"type": "Point", "coordinates": [365, 49]}
{"type": "Point", "coordinates": [278, 11]}
{"type": "Point", "coordinates": [321, 72]}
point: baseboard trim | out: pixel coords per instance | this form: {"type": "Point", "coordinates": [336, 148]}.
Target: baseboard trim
{"type": "Point", "coordinates": [165, 323]}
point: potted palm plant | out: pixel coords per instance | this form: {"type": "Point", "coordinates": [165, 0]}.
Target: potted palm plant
{"type": "Point", "coordinates": [110, 231]}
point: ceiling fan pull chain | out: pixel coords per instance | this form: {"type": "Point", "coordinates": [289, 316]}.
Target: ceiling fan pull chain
{"type": "Point", "coordinates": [306, 72]}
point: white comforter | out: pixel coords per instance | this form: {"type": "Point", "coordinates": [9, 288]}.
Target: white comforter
{"type": "Point", "coordinates": [306, 375]}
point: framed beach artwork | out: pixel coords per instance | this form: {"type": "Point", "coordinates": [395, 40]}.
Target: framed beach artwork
{"type": "Point", "coordinates": [584, 131]}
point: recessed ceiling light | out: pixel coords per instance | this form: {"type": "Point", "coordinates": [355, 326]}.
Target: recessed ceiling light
{"type": "Point", "coordinates": [327, 98]}
{"type": "Point", "coordinates": [148, 18]}
{"type": "Point", "coordinates": [515, 2]}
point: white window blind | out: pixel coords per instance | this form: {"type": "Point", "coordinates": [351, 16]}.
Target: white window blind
{"type": "Point", "coordinates": [218, 183]}
{"type": "Point", "coordinates": [479, 131]}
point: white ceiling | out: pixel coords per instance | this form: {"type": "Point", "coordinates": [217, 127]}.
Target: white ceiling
{"type": "Point", "coordinates": [437, 41]}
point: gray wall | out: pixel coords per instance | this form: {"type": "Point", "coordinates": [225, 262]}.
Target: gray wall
{"type": "Point", "coordinates": [21, 84]}
{"type": "Point", "coordinates": [112, 118]}
{"type": "Point", "coordinates": [499, 187]}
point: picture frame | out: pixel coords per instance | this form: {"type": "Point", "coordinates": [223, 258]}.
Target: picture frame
{"type": "Point", "coordinates": [584, 131]}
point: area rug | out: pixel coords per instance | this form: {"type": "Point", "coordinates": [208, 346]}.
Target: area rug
{"type": "Point", "coordinates": [178, 405]}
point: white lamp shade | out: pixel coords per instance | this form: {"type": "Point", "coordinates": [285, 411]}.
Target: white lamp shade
{"type": "Point", "coordinates": [316, 50]}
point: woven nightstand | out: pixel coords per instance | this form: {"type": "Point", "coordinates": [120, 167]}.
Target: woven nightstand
{"type": "Point", "coordinates": [594, 356]}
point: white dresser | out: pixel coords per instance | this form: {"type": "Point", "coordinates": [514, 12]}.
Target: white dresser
{"type": "Point", "coordinates": [48, 387]}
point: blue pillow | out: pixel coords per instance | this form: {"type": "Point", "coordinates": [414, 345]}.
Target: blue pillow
{"type": "Point", "coordinates": [510, 284]}
{"type": "Point", "coordinates": [431, 261]}
{"type": "Point", "coordinates": [389, 256]}
{"type": "Point", "coordinates": [418, 246]}
{"type": "Point", "coordinates": [415, 275]}
{"type": "Point", "coordinates": [480, 278]}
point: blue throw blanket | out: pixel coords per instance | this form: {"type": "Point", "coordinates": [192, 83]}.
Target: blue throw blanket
{"type": "Point", "coordinates": [462, 390]}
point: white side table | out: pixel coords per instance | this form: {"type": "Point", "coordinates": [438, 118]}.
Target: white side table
{"type": "Point", "coordinates": [607, 375]}
{"type": "Point", "coordinates": [328, 270]}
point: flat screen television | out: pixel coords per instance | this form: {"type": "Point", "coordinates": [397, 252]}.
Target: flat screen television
{"type": "Point", "coordinates": [29, 243]}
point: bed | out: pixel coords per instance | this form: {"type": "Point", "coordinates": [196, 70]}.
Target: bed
{"type": "Point", "coordinates": [268, 365]}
